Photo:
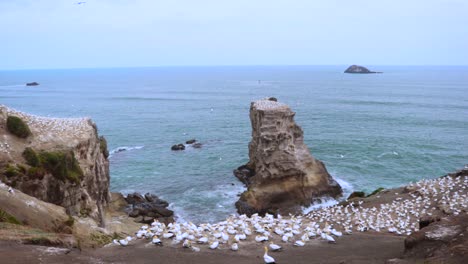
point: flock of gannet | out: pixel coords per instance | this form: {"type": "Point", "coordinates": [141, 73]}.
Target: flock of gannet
{"type": "Point", "coordinates": [399, 216]}
{"type": "Point", "coordinates": [53, 126]}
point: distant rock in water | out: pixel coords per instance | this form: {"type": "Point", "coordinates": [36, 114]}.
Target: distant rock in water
{"type": "Point", "coordinates": [178, 147]}
{"type": "Point", "coordinates": [359, 69]}
{"type": "Point", "coordinates": [32, 84]}
{"type": "Point", "coordinates": [281, 174]}
{"type": "Point", "coordinates": [191, 141]}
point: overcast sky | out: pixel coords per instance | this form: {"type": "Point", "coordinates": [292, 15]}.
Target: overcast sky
{"type": "Point", "coordinates": [121, 33]}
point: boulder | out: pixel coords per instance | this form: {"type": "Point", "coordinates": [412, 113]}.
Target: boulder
{"type": "Point", "coordinates": [178, 147]}
{"type": "Point", "coordinates": [444, 241]}
{"type": "Point", "coordinates": [281, 174]}
{"type": "Point", "coordinates": [149, 205]}
{"type": "Point", "coordinates": [191, 141]}
{"type": "Point", "coordinates": [197, 145]}
{"type": "Point", "coordinates": [358, 69]}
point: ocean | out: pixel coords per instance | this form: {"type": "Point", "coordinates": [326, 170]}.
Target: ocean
{"type": "Point", "coordinates": [371, 131]}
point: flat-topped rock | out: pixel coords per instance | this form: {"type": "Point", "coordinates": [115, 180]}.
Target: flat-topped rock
{"type": "Point", "coordinates": [281, 174]}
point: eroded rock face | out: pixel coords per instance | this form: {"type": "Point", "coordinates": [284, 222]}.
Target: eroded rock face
{"type": "Point", "coordinates": [281, 175]}
{"type": "Point", "coordinates": [87, 192]}
{"type": "Point", "coordinates": [445, 241]}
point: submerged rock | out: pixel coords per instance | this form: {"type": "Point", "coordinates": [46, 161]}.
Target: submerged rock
{"type": "Point", "coordinates": [191, 141]}
{"type": "Point", "coordinates": [358, 69]}
{"type": "Point", "coordinates": [281, 174]}
{"type": "Point", "coordinates": [178, 147]}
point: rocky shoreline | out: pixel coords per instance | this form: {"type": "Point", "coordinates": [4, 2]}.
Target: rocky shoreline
{"type": "Point", "coordinates": [72, 208]}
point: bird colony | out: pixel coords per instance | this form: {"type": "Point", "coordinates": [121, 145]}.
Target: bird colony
{"type": "Point", "coordinates": [400, 217]}
{"type": "Point", "coordinates": [55, 127]}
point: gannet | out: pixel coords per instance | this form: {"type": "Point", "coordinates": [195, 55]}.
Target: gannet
{"type": "Point", "coordinates": [275, 247]}
{"type": "Point", "coordinates": [234, 247]}
{"type": "Point", "coordinates": [268, 259]}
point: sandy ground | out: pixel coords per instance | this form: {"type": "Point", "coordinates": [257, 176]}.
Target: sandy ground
{"type": "Point", "coordinates": [356, 248]}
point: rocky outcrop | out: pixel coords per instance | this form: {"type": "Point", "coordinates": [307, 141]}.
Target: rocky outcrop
{"type": "Point", "coordinates": [281, 174]}
{"type": "Point", "coordinates": [444, 241]}
{"type": "Point", "coordinates": [32, 84]}
{"type": "Point", "coordinates": [358, 69]}
{"type": "Point", "coordinates": [62, 161]}
{"type": "Point", "coordinates": [148, 207]}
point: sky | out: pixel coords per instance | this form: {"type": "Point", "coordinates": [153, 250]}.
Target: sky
{"type": "Point", "coordinates": [44, 34]}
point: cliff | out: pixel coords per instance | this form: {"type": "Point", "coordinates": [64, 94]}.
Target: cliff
{"type": "Point", "coordinates": [59, 161]}
{"type": "Point", "coordinates": [281, 174]}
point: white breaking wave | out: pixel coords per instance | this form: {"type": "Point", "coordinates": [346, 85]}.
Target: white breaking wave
{"type": "Point", "coordinates": [329, 201]}
{"type": "Point", "coordinates": [122, 149]}
{"type": "Point", "coordinates": [393, 153]}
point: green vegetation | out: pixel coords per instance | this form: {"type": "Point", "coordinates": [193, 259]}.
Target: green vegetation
{"type": "Point", "coordinates": [70, 221]}
{"type": "Point", "coordinates": [101, 239]}
{"type": "Point", "coordinates": [31, 157]}
{"type": "Point", "coordinates": [103, 146]}
{"type": "Point", "coordinates": [6, 217]}
{"type": "Point", "coordinates": [18, 127]}
{"type": "Point", "coordinates": [11, 171]}
{"type": "Point", "coordinates": [376, 191]}
{"type": "Point", "coordinates": [356, 195]}
{"type": "Point", "coordinates": [84, 212]}
{"type": "Point", "coordinates": [62, 165]}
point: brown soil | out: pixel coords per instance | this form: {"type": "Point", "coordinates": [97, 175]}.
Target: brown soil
{"type": "Point", "coordinates": [357, 248]}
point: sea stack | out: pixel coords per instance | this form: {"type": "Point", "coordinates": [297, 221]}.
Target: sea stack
{"type": "Point", "coordinates": [359, 69]}
{"type": "Point", "coordinates": [281, 174]}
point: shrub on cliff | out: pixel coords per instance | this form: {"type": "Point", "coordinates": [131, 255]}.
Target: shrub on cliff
{"type": "Point", "coordinates": [103, 146]}
{"type": "Point", "coordinates": [62, 165]}
{"type": "Point", "coordinates": [31, 157]}
{"type": "Point", "coordinates": [18, 127]}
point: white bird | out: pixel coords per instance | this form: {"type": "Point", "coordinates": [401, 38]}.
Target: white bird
{"type": "Point", "coordinates": [168, 235]}
{"type": "Point", "coordinates": [275, 247]}
{"type": "Point", "coordinates": [299, 243]}
{"type": "Point", "coordinates": [214, 245]}
{"type": "Point", "coordinates": [202, 240]}
{"type": "Point", "coordinates": [186, 243]}
{"type": "Point", "coordinates": [123, 242]}
{"type": "Point", "coordinates": [261, 238]}
{"type": "Point", "coordinates": [329, 238]}
{"type": "Point", "coordinates": [10, 190]}
{"type": "Point", "coordinates": [234, 247]}
{"type": "Point", "coordinates": [157, 241]}
{"type": "Point", "coordinates": [268, 259]}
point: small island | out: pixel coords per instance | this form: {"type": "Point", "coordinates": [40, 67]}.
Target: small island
{"type": "Point", "coordinates": [32, 84]}
{"type": "Point", "coordinates": [358, 69]}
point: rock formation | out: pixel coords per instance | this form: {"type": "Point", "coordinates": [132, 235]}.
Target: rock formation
{"type": "Point", "coordinates": [359, 69]}
{"type": "Point", "coordinates": [444, 240]}
{"type": "Point", "coordinates": [281, 174]}
{"type": "Point", "coordinates": [61, 161]}
{"type": "Point", "coordinates": [149, 207]}
{"type": "Point", "coordinates": [32, 84]}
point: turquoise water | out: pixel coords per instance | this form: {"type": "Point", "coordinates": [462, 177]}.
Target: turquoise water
{"type": "Point", "coordinates": [371, 131]}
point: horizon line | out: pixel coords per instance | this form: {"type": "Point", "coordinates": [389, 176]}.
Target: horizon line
{"type": "Point", "coordinates": [231, 65]}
